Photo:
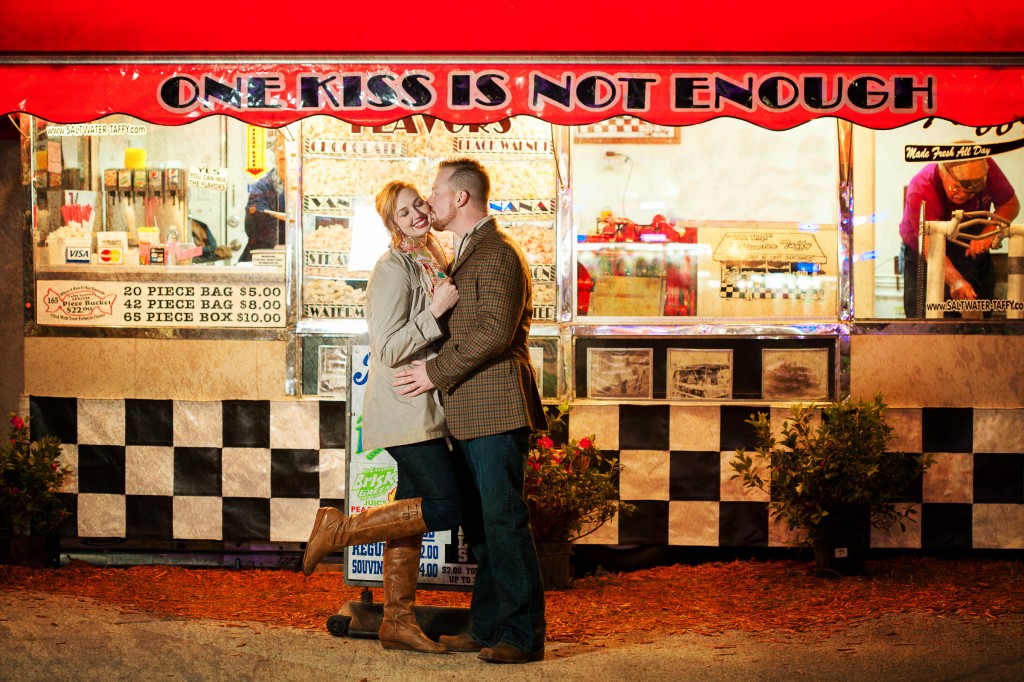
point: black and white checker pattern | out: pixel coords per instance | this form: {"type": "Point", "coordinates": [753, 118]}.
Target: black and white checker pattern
{"type": "Point", "coordinates": [738, 283]}
{"type": "Point", "coordinates": [677, 473]}
{"type": "Point", "coordinates": [231, 470]}
{"type": "Point", "coordinates": [258, 470]}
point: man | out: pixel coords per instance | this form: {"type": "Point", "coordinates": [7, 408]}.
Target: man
{"type": "Point", "coordinates": [264, 212]}
{"type": "Point", "coordinates": [974, 185]}
{"type": "Point", "coordinates": [491, 402]}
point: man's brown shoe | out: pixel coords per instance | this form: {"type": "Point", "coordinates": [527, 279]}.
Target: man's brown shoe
{"type": "Point", "coordinates": [461, 643]}
{"type": "Point", "coordinates": [506, 653]}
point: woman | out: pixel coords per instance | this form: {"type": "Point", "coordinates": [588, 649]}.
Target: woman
{"type": "Point", "coordinates": [407, 293]}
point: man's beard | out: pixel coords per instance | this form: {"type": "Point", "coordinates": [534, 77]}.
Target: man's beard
{"type": "Point", "coordinates": [439, 223]}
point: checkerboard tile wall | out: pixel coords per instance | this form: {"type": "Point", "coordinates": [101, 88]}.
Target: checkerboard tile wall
{"type": "Point", "coordinates": [258, 470]}
{"type": "Point", "coordinates": [677, 473]}
{"type": "Point", "coordinates": [181, 470]}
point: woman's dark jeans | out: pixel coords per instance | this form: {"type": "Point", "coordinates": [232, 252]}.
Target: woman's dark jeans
{"type": "Point", "coordinates": [429, 470]}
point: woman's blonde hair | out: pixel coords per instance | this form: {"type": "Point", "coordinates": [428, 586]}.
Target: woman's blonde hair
{"type": "Point", "coordinates": [385, 202]}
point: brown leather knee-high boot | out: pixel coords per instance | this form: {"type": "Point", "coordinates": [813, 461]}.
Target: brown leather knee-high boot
{"type": "Point", "coordinates": [399, 629]}
{"type": "Point", "coordinates": [332, 530]}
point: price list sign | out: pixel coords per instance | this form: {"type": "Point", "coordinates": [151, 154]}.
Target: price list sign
{"type": "Point", "coordinates": [160, 304]}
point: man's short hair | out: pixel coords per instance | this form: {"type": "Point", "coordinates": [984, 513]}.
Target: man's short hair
{"type": "Point", "coordinates": [470, 175]}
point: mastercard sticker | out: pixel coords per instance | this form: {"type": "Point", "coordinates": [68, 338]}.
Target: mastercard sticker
{"type": "Point", "coordinates": [110, 255]}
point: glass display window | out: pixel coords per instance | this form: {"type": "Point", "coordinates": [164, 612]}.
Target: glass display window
{"type": "Point", "coordinates": [949, 168]}
{"type": "Point", "coordinates": [722, 220]}
{"type": "Point", "coordinates": [345, 165]}
{"type": "Point", "coordinates": [129, 217]}
{"type": "Point", "coordinates": [121, 174]}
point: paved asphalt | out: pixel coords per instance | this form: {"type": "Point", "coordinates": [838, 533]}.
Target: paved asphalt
{"type": "Point", "coordinates": [51, 637]}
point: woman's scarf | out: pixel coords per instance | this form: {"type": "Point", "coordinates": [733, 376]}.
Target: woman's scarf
{"type": "Point", "coordinates": [433, 265]}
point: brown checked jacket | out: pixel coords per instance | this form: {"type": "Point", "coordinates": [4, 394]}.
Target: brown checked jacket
{"type": "Point", "coordinates": [483, 371]}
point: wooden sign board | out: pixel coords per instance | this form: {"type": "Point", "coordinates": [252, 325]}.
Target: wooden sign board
{"type": "Point", "coordinates": [617, 296]}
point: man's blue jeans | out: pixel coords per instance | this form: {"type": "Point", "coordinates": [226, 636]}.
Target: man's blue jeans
{"type": "Point", "coordinates": [430, 471]}
{"type": "Point", "coordinates": [508, 591]}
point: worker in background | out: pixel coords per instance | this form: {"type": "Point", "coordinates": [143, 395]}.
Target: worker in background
{"type": "Point", "coordinates": [973, 185]}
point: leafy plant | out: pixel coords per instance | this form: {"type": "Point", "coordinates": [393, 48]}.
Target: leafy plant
{"type": "Point", "coordinates": [30, 476]}
{"type": "Point", "coordinates": [833, 472]}
{"type": "Point", "coordinates": [571, 487]}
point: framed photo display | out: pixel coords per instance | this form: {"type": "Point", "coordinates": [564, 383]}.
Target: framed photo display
{"type": "Point", "coordinates": [616, 373]}
{"type": "Point", "coordinates": [696, 373]}
{"type": "Point", "coordinates": [332, 373]}
{"type": "Point", "coordinates": [794, 374]}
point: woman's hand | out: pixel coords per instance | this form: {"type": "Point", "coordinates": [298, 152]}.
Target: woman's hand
{"type": "Point", "coordinates": [445, 298]}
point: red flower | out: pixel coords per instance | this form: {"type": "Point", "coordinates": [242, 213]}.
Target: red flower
{"type": "Point", "coordinates": [54, 465]}
{"type": "Point", "coordinates": [586, 443]}
{"type": "Point", "coordinates": [535, 466]}
{"type": "Point", "coordinates": [13, 490]}
{"type": "Point", "coordinates": [545, 442]}
{"type": "Point", "coordinates": [18, 423]}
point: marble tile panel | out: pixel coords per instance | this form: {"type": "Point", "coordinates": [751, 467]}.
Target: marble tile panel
{"type": "Point", "coordinates": [295, 425]}
{"type": "Point", "coordinates": [69, 457]}
{"type": "Point", "coordinates": [246, 472]}
{"type": "Point", "coordinates": [100, 422]}
{"type": "Point", "coordinates": [895, 537]}
{"type": "Point", "coordinates": [601, 421]}
{"type": "Point", "coordinates": [271, 361]}
{"type": "Point", "coordinates": [950, 478]}
{"type": "Point", "coordinates": [733, 490]}
{"type": "Point", "coordinates": [198, 517]}
{"type": "Point", "coordinates": [782, 415]}
{"type": "Point", "coordinates": [332, 473]}
{"type": "Point", "coordinates": [779, 534]}
{"type": "Point", "coordinates": [148, 470]}
{"type": "Point", "coordinates": [176, 369]}
{"type": "Point", "coordinates": [61, 366]}
{"type": "Point", "coordinates": [232, 364]}
{"type": "Point", "coordinates": [645, 475]}
{"type": "Point", "coordinates": [998, 526]}
{"type": "Point", "coordinates": [937, 371]}
{"type": "Point", "coordinates": [693, 523]}
{"type": "Point", "coordinates": [198, 424]}
{"type": "Point", "coordinates": [291, 519]}
{"type": "Point", "coordinates": [906, 424]}
{"type": "Point", "coordinates": [999, 430]}
{"type": "Point", "coordinates": [694, 427]}
{"type": "Point", "coordinates": [607, 534]}
{"type": "Point", "coordinates": [101, 516]}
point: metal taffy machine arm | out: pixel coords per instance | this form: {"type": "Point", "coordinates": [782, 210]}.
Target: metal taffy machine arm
{"type": "Point", "coordinates": [941, 231]}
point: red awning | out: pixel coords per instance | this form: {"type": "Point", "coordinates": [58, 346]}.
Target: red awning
{"type": "Point", "coordinates": [254, 28]}
{"type": "Point", "coordinates": [879, 64]}
{"type": "Point", "coordinates": [775, 96]}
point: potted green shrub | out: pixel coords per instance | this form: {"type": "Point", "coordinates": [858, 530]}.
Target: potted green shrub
{"type": "Point", "coordinates": [571, 491]}
{"type": "Point", "coordinates": [30, 478]}
{"type": "Point", "coordinates": [833, 478]}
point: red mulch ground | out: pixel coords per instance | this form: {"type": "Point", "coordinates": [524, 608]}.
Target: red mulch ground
{"type": "Point", "coordinates": [777, 597]}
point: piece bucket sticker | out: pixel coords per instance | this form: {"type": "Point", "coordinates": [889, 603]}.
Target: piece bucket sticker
{"type": "Point", "coordinates": [79, 303]}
